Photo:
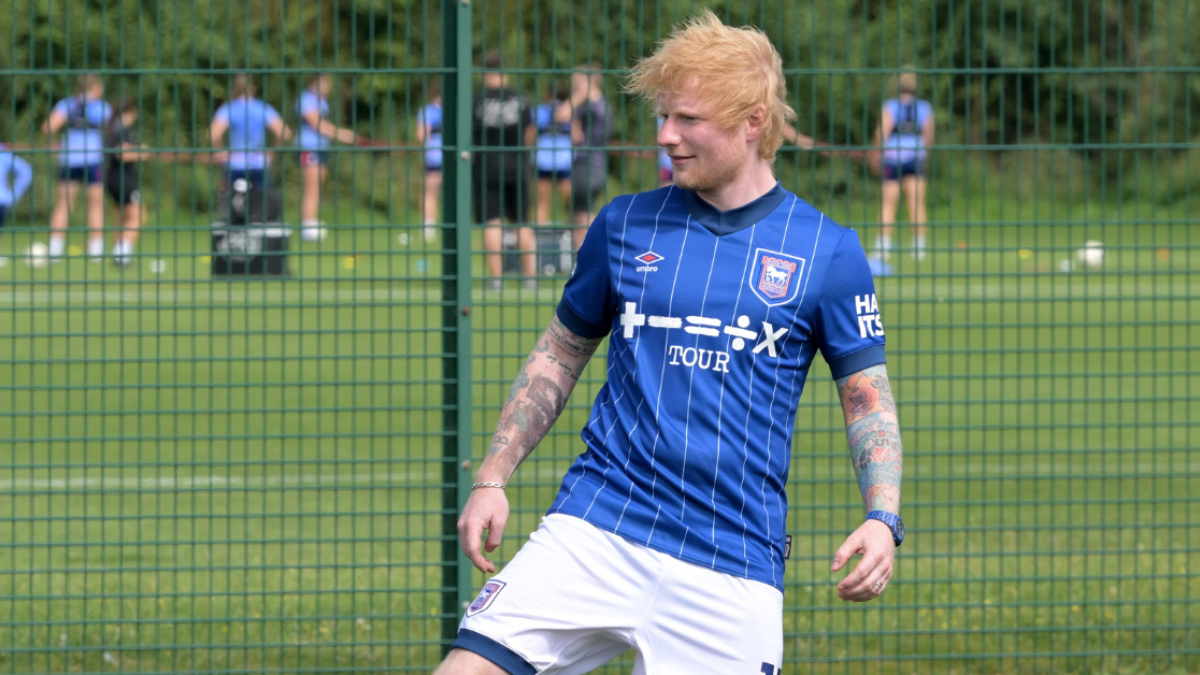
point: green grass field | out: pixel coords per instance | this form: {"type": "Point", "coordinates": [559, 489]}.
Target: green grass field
{"type": "Point", "coordinates": [246, 476]}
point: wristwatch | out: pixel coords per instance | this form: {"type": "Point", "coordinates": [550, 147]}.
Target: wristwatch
{"type": "Point", "coordinates": [893, 521]}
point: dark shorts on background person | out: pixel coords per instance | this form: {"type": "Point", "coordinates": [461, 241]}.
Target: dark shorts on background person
{"type": "Point", "coordinates": [502, 200]}
{"type": "Point", "coordinates": [123, 190]}
{"type": "Point", "coordinates": [897, 170]}
{"type": "Point", "coordinates": [554, 174]}
{"type": "Point", "coordinates": [313, 158]}
{"type": "Point", "coordinates": [251, 176]}
{"type": "Point", "coordinates": [80, 174]}
{"type": "Point", "coordinates": [432, 168]}
{"type": "Point", "coordinates": [3, 215]}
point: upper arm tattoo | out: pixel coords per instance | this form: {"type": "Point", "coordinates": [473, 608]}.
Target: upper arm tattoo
{"type": "Point", "coordinates": [873, 431]}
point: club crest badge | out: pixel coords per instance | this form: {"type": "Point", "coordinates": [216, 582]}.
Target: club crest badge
{"type": "Point", "coordinates": [486, 595]}
{"type": "Point", "coordinates": [775, 278]}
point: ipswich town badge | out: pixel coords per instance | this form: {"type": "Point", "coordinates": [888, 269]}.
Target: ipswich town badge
{"type": "Point", "coordinates": [775, 278]}
{"type": "Point", "coordinates": [486, 595]}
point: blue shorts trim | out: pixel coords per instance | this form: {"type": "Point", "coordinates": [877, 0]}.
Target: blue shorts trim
{"type": "Point", "coordinates": [896, 170]}
{"type": "Point", "coordinates": [433, 169]}
{"type": "Point", "coordinates": [856, 361]}
{"type": "Point", "coordinates": [512, 662]}
{"type": "Point", "coordinates": [313, 158]}
{"type": "Point", "coordinates": [554, 174]}
{"type": "Point", "coordinates": [577, 324]}
{"type": "Point", "coordinates": [80, 174]}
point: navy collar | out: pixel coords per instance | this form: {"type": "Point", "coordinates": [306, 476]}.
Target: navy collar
{"type": "Point", "coordinates": [734, 220]}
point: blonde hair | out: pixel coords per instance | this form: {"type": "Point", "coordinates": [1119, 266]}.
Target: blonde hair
{"type": "Point", "coordinates": [906, 81]}
{"type": "Point", "coordinates": [737, 70]}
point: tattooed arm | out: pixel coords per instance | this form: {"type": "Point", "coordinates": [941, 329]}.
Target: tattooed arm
{"type": "Point", "coordinates": [537, 398]}
{"type": "Point", "coordinates": [874, 434]}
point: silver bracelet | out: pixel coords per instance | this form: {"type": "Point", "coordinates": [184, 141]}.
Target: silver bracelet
{"type": "Point", "coordinates": [487, 484]}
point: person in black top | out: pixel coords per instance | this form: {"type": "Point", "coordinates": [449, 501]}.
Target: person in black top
{"type": "Point", "coordinates": [501, 119]}
{"type": "Point", "coordinates": [122, 176]}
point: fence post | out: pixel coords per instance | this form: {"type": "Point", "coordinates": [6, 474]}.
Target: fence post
{"type": "Point", "coordinates": [457, 469]}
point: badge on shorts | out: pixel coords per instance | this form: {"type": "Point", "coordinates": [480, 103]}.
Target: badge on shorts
{"type": "Point", "coordinates": [787, 547]}
{"type": "Point", "coordinates": [775, 278]}
{"type": "Point", "coordinates": [486, 595]}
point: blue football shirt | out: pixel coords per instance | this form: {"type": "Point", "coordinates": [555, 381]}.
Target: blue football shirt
{"type": "Point", "coordinates": [714, 319]}
{"type": "Point", "coordinates": [430, 117]}
{"type": "Point", "coordinates": [248, 120]}
{"type": "Point", "coordinates": [906, 143]}
{"type": "Point", "coordinates": [83, 140]}
{"type": "Point", "coordinates": [309, 138]}
{"type": "Point", "coordinates": [554, 148]}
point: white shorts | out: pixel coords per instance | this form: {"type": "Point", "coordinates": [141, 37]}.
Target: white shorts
{"type": "Point", "coordinates": [575, 597]}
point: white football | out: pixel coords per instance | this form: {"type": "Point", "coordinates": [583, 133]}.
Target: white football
{"type": "Point", "coordinates": [37, 255]}
{"type": "Point", "coordinates": [1091, 255]}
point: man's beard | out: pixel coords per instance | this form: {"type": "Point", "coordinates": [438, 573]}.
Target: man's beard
{"type": "Point", "coordinates": [715, 173]}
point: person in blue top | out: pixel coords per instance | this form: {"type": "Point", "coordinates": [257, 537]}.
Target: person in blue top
{"type": "Point", "coordinates": [81, 154]}
{"type": "Point", "coordinates": [247, 120]}
{"type": "Point", "coordinates": [716, 293]}
{"type": "Point", "coordinates": [316, 131]}
{"type": "Point", "coordinates": [15, 177]}
{"type": "Point", "coordinates": [429, 134]}
{"type": "Point", "coordinates": [553, 154]}
{"type": "Point", "coordinates": [905, 134]}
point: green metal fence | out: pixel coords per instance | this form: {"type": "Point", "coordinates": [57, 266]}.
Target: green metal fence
{"type": "Point", "coordinates": [204, 473]}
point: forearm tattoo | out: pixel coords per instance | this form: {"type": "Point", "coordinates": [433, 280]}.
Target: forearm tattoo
{"type": "Point", "coordinates": [874, 434]}
{"type": "Point", "coordinates": [539, 395]}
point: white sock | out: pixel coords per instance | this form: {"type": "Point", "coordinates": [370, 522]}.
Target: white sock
{"type": "Point", "coordinates": [122, 249]}
{"type": "Point", "coordinates": [883, 242]}
{"type": "Point", "coordinates": [919, 242]}
{"type": "Point", "coordinates": [96, 247]}
{"type": "Point", "coordinates": [310, 223]}
{"type": "Point", "coordinates": [58, 242]}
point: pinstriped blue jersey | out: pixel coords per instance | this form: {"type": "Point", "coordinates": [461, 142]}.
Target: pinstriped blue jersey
{"type": "Point", "coordinates": [714, 319]}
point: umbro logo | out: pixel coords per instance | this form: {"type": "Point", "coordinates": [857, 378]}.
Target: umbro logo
{"type": "Point", "coordinates": [648, 259]}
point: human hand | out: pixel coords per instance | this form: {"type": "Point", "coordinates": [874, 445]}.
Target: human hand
{"type": "Point", "coordinates": [347, 136]}
{"type": "Point", "coordinates": [875, 162]}
{"type": "Point", "coordinates": [873, 541]}
{"type": "Point", "coordinates": [486, 509]}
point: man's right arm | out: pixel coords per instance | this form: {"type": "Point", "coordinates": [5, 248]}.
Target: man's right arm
{"type": "Point", "coordinates": [538, 396]}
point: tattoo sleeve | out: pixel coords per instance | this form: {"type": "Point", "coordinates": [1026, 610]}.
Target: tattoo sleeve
{"type": "Point", "coordinates": [538, 396]}
{"type": "Point", "coordinates": [874, 434]}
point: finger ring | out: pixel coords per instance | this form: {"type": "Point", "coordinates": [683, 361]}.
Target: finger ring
{"type": "Point", "coordinates": [878, 586]}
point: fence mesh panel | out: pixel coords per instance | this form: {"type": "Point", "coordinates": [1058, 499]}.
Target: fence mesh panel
{"type": "Point", "coordinates": [210, 471]}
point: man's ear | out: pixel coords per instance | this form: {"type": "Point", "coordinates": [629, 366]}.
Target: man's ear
{"type": "Point", "coordinates": [756, 123]}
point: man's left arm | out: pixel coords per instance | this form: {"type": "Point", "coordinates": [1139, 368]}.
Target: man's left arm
{"type": "Point", "coordinates": [873, 431]}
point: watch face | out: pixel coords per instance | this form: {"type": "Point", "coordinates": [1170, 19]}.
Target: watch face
{"type": "Point", "coordinates": [899, 528]}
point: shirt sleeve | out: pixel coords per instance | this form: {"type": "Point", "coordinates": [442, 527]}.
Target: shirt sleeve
{"type": "Point", "coordinates": [270, 114]}
{"type": "Point", "coordinates": [309, 103]}
{"type": "Point", "coordinates": [222, 114]}
{"type": "Point", "coordinates": [63, 107]}
{"type": "Point", "coordinates": [23, 178]}
{"type": "Point", "coordinates": [587, 306]}
{"type": "Point", "coordinates": [892, 106]}
{"type": "Point", "coordinates": [925, 108]}
{"type": "Point", "coordinates": [848, 328]}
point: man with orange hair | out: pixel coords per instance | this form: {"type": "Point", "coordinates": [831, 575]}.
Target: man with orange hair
{"type": "Point", "coordinates": [668, 533]}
